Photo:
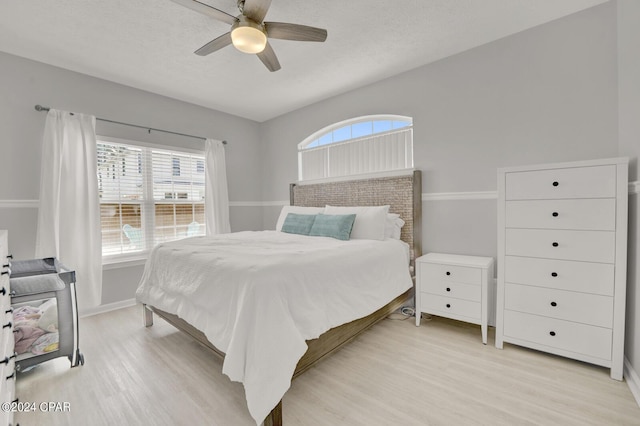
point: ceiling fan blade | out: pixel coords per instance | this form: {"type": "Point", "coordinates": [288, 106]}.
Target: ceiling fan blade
{"type": "Point", "coordinates": [285, 31]}
{"type": "Point", "coordinates": [215, 44]}
{"type": "Point", "coordinates": [205, 9]}
{"type": "Point", "coordinates": [256, 10]}
{"type": "Point", "coordinates": [269, 58]}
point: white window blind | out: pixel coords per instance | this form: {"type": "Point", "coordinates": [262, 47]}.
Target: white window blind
{"type": "Point", "coordinates": [148, 196]}
{"type": "Point", "coordinates": [382, 144]}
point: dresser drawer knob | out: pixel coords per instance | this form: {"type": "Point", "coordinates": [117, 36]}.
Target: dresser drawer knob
{"type": "Point", "coordinates": [7, 325]}
{"type": "Point", "coordinates": [555, 244]}
{"type": "Point", "coordinates": [448, 288]}
{"type": "Point", "coordinates": [9, 311]}
{"type": "Point", "coordinates": [4, 273]}
{"type": "Point", "coordinates": [554, 274]}
{"type": "Point", "coordinates": [555, 183]}
{"type": "Point", "coordinates": [554, 214]}
{"type": "Point", "coordinates": [448, 273]}
{"type": "Point", "coordinates": [552, 333]}
{"type": "Point", "coordinates": [6, 266]}
{"type": "Point", "coordinates": [448, 305]}
{"type": "Point", "coordinates": [3, 291]}
{"type": "Point", "coordinates": [554, 304]}
{"type": "Point", "coordinates": [7, 359]}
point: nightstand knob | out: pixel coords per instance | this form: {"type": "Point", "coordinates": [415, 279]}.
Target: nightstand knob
{"type": "Point", "coordinates": [554, 214]}
{"type": "Point", "coordinates": [448, 305]}
{"type": "Point", "coordinates": [448, 289]}
{"type": "Point", "coordinates": [448, 273]}
{"type": "Point", "coordinates": [554, 304]}
{"type": "Point", "coordinates": [555, 183]}
{"type": "Point", "coordinates": [555, 244]}
{"type": "Point", "coordinates": [554, 274]}
{"type": "Point", "coordinates": [552, 333]}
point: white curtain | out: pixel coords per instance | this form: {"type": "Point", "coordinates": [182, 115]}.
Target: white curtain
{"type": "Point", "coordinates": [216, 200]}
{"type": "Point", "coordinates": [69, 214]}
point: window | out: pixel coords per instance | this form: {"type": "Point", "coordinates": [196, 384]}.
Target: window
{"type": "Point", "coordinates": [143, 201]}
{"type": "Point", "coordinates": [176, 166]}
{"type": "Point", "coordinates": [357, 146]}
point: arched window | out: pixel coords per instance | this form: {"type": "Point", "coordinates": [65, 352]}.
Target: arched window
{"type": "Point", "coordinates": [360, 145]}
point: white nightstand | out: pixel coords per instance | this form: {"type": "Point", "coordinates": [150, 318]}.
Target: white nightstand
{"type": "Point", "coordinates": [457, 287]}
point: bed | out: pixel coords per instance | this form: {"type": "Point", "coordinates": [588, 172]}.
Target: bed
{"type": "Point", "coordinates": [281, 303]}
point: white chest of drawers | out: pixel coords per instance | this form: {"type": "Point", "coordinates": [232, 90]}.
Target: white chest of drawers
{"type": "Point", "coordinates": [456, 287]}
{"type": "Point", "coordinates": [7, 356]}
{"type": "Point", "coordinates": [562, 243]}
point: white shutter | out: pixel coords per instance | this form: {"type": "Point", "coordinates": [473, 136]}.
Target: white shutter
{"type": "Point", "coordinates": [376, 153]}
{"type": "Point", "coordinates": [313, 163]}
{"type": "Point", "coordinates": [121, 193]}
{"type": "Point", "coordinates": [148, 196]}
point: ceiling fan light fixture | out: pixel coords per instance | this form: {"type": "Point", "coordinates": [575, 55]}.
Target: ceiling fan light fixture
{"type": "Point", "coordinates": [248, 36]}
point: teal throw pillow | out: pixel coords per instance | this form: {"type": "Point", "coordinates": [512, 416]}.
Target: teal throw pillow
{"type": "Point", "coordinates": [298, 223]}
{"type": "Point", "coordinates": [337, 226]}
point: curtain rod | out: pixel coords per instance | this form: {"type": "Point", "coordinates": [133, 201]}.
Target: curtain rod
{"type": "Point", "coordinates": [42, 108]}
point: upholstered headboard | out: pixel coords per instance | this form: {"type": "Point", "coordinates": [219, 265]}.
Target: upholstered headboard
{"type": "Point", "coordinates": [402, 193]}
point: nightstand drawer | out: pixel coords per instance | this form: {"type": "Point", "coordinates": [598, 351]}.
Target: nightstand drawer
{"type": "Point", "coordinates": [449, 306]}
{"type": "Point", "coordinates": [585, 277]}
{"type": "Point", "coordinates": [470, 292]}
{"type": "Point", "coordinates": [584, 308]}
{"type": "Point", "coordinates": [573, 182]}
{"type": "Point", "coordinates": [586, 214]}
{"type": "Point", "coordinates": [569, 336]}
{"type": "Point", "coordinates": [450, 273]}
{"type": "Point", "coordinates": [587, 246]}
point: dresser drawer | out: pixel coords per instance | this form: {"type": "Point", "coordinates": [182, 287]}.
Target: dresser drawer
{"type": "Point", "coordinates": [587, 246]}
{"type": "Point", "coordinates": [584, 308]}
{"type": "Point", "coordinates": [585, 277]}
{"type": "Point", "coordinates": [566, 335]}
{"type": "Point", "coordinates": [576, 182]}
{"type": "Point", "coordinates": [450, 306]}
{"type": "Point", "coordinates": [450, 273]}
{"type": "Point", "coordinates": [588, 214]}
{"type": "Point", "coordinates": [5, 298]}
{"type": "Point", "coordinates": [470, 292]}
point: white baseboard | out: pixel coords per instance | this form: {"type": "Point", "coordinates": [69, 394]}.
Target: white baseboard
{"type": "Point", "coordinates": [633, 380]}
{"type": "Point", "coordinates": [107, 308]}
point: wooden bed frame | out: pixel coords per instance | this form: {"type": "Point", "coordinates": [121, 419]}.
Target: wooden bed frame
{"type": "Point", "coordinates": [403, 194]}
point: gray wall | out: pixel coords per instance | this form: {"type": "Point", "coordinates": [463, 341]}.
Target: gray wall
{"type": "Point", "coordinates": [629, 142]}
{"type": "Point", "coordinates": [25, 83]}
{"type": "Point", "coordinates": [544, 95]}
{"type": "Point", "coordinates": [548, 94]}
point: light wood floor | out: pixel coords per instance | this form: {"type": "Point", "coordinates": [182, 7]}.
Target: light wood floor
{"type": "Point", "coordinates": [395, 373]}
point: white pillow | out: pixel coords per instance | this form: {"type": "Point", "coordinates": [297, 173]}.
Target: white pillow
{"type": "Point", "coordinates": [370, 221]}
{"type": "Point", "coordinates": [295, 209]}
{"type": "Point", "coordinates": [393, 226]}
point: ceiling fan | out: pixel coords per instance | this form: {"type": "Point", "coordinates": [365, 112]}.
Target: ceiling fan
{"type": "Point", "coordinates": [249, 33]}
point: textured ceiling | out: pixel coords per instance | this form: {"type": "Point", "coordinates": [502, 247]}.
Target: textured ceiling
{"type": "Point", "coordinates": [149, 44]}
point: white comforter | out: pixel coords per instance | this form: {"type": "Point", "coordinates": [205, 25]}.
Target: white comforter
{"type": "Point", "coordinates": [258, 296]}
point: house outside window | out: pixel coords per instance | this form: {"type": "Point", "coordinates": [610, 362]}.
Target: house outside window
{"type": "Point", "coordinates": [362, 145]}
{"type": "Point", "coordinates": [142, 200]}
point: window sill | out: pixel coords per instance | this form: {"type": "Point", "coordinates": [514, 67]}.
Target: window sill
{"type": "Point", "coordinates": [124, 261]}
